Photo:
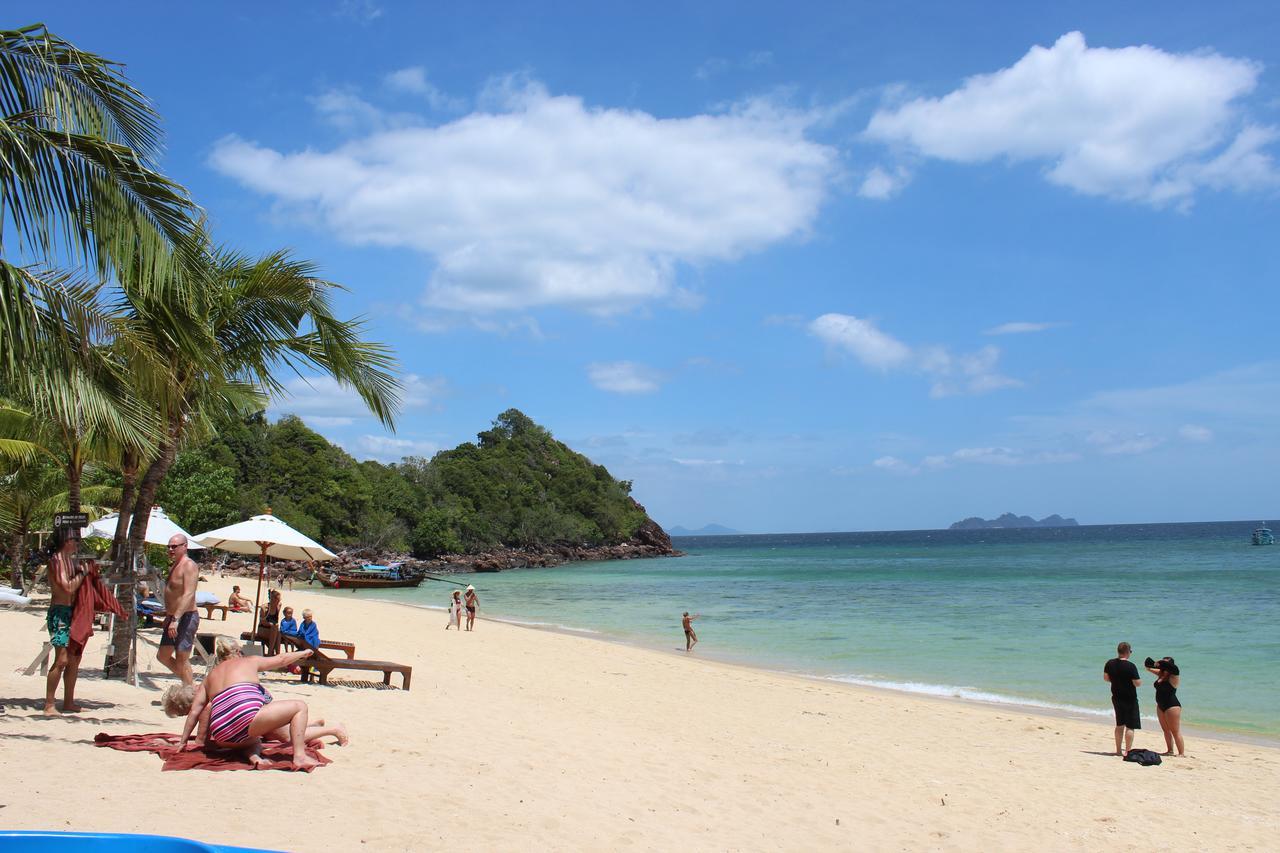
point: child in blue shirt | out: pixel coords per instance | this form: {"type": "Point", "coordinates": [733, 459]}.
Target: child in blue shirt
{"type": "Point", "coordinates": [309, 631]}
{"type": "Point", "coordinates": [289, 625]}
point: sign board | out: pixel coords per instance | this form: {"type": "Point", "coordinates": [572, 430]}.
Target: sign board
{"type": "Point", "coordinates": [70, 519]}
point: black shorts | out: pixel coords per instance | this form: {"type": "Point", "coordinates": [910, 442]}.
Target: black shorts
{"type": "Point", "coordinates": [184, 637]}
{"type": "Point", "coordinates": [1127, 713]}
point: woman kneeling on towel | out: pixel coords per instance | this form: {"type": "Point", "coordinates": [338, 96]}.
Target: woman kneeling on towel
{"type": "Point", "coordinates": [234, 711]}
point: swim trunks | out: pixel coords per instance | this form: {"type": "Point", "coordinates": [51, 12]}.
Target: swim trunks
{"type": "Point", "coordinates": [471, 610]}
{"type": "Point", "coordinates": [58, 621]}
{"type": "Point", "coordinates": [184, 638]}
{"type": "Point", "coordinates": [1126, 713]}
{"type": "Point", "coordinates": [232, 710]}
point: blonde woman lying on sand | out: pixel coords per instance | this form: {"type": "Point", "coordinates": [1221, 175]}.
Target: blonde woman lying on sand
{"type": "Point", "coordinates": [234, 711]}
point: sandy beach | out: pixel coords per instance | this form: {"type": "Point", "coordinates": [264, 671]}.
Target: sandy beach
{"type": "Point", "coordinates": [519, 738]}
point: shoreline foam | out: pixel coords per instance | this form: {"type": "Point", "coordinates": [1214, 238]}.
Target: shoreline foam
{"type": "Point", "coordinates": [944, 692]}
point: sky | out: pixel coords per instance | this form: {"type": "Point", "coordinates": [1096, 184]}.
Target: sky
{"type": "Point", "coordinates": [785, 267]}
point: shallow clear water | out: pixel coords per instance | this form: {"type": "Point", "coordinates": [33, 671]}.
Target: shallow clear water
{"type": "Point", "coordinates": [1022, 615]}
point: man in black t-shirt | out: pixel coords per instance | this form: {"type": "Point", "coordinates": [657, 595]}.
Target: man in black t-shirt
{"type": "Point", "coordinates": [1124, 679]}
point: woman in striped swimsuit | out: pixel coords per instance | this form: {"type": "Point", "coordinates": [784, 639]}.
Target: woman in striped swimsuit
{"type": "Point", "coordinates": [234, 710]}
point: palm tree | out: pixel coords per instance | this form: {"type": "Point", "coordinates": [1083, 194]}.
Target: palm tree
{"type": "Point", "coordinates": [259, 317]}
{"type": "Point", "coordinates": [77, 182]}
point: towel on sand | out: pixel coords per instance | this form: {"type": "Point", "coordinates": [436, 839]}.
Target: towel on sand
{"type": "Point", "coordinates": [278, 756]}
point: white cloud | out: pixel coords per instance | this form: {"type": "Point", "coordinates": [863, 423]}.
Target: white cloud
{"type": "Point", "coordinates": [881, 183]}
{"type": "Point", "coordinates": [1135, 123]}
{"type": "Point", "coordinates": [363, 11]}
{"type": "Point", "coordinates": [860, 337]}
{"type": "Point", "coordinates": [952, 373]}
{"type": "Point", "coordinates": [1007, 457]}
{"type": "Point", "coordinates": [385, 448]}
{"type": "Point", "coordinates": [893, 463]}
{"type": "Point", "coordinates": [624, 377]}
{"type": "Point", "coordinates": [1019, 328]}
{"type": "Point", "coordinates": [1115, 443]}
{"type": "Point", "coordinates": [704, 463]}
{"type": "Point", "coordinates": [540, 200]}
{"type": "Point", "coordinates": [1196, 433]}
{"type": "Point", "coordinates": [413, 80]}
{"type": "Point", "coordinates": [322, 401]}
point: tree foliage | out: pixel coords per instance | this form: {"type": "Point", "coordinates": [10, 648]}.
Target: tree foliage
{"type": "Point", "coordinates": [515, 486]}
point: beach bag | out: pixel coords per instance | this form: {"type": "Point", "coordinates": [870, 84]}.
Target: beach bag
{"type": "Point", "coordinates": [1145, 757]}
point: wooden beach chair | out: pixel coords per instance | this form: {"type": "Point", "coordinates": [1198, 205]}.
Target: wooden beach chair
{"type": "Point", "coordinates": [325, 665]}
{"type": "Point", "coordinates": [295, 642]}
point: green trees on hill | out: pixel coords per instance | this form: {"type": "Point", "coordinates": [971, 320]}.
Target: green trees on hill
{"type": "Point", "coordinates": [515, 486]}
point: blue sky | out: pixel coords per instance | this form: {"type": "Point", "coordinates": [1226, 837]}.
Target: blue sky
{"type": "Point", "coordinates": [790, 267]}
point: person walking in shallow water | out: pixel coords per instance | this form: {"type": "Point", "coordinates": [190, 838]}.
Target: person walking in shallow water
{"type": "Point", "coordinates": [690, 638]}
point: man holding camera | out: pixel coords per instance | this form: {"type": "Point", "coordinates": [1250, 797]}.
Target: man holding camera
{"type": "Point", "coordinates": [1123, 676]}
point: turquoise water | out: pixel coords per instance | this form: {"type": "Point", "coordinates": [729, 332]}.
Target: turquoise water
{"type": "Point", "coordinates": [1014, 615]}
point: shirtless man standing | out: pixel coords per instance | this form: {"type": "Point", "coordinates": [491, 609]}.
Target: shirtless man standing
{"type": "Point", "coordinates": [65, 577]}
{"type": "Point", "coordinates": [690, 638]}
{"type": "Point", "coordinates": [180, 626]}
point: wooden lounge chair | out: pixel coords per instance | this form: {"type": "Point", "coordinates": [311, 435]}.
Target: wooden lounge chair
{"type": "Point", "coordinates": [295, 642]}
{"type": "Point", "coordinates": [325, 665]}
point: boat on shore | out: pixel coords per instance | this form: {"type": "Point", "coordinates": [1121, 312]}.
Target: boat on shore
{"type": "Point", "coordinates": [1263, 536]}
{"type": "Point", "coordinates": [370, 577]}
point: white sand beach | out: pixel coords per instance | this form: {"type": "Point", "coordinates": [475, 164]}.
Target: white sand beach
{"type": "Point", "coordinates": [514, 738]}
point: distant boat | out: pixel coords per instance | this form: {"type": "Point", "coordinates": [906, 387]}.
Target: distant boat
{"type": "Point", "coordinates": [1262, 536]}
{"type": "Point", "coordinates": [371, 576]}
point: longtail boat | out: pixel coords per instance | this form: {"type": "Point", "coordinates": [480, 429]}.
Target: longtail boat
{"type": "Point", "coordinates": [370, 577]}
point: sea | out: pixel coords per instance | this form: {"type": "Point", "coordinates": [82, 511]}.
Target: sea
{"type": "Point", "coordinates": [1022, 616]}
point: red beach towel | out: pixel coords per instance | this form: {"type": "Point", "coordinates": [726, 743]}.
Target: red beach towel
{"type": "Point", "coordinates": [92, 597]}
{"type": "Point", "coordinates": [279, 756]}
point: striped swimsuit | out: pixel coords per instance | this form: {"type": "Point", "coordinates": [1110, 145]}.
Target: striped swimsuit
{"type": "Point", "coordinates": [232, 710]}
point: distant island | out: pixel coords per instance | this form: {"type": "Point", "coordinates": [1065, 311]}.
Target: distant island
{"type": "Point", "coordinates": [709, 530]}
{"type": "Point", "coordinates": [1010, 520]}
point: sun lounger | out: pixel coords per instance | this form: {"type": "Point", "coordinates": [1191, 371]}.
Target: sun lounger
{"type": "Point", "coordinates": [323, 664]}
{"type": "Point", "coordinates": [295, 642]}
{"type": "Point", "coordinates": [326, 665]}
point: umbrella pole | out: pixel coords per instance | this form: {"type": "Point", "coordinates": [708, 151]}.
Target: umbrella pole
{"type": "Point", "coordinates": [257, 596]}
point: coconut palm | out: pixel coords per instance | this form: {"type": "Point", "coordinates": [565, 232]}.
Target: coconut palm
{"type": "Point", "coordinates": [253, 320]}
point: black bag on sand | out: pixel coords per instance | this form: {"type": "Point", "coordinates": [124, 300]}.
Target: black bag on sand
{"type": "Point", "coordinates": [1145, 757]}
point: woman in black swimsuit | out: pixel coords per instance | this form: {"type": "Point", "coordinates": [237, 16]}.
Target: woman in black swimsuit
{"type": "Point", "coordinates": [1168, 708]}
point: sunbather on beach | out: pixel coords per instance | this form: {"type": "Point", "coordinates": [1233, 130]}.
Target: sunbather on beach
{"type": "Point", "coordinates": [237, 602]}
{"type": "Point", "coordinates": [234, 711]}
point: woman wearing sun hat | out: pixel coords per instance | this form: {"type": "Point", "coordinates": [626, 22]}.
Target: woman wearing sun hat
{"type": "Point", "coordinates": [472, 601]}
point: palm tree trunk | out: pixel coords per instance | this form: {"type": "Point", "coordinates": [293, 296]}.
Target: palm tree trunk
{"type": "Point", "coordinates": [122, 663]}
{"type": "Point", "coordinates": [19, 556]}
{"type": "Point", "coordinates": [129, 464]}
{"type": "Point", "coordinates": [74, 472]}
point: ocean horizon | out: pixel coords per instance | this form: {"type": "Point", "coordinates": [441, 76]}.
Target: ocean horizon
{"type": "Point", "coordinates": [1014, 615]}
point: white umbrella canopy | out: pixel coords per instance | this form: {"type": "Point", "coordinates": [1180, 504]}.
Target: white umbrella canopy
{"type": "Point", "coordinates": [160, 529]}
{"type": "Point", "coordinates": [266, 536]}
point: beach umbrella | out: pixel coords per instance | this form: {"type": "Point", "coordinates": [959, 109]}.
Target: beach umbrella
{"type": "Point", "coordinates": [266, 536]}
{"type": "Point", "coordinates": [160, 529]}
